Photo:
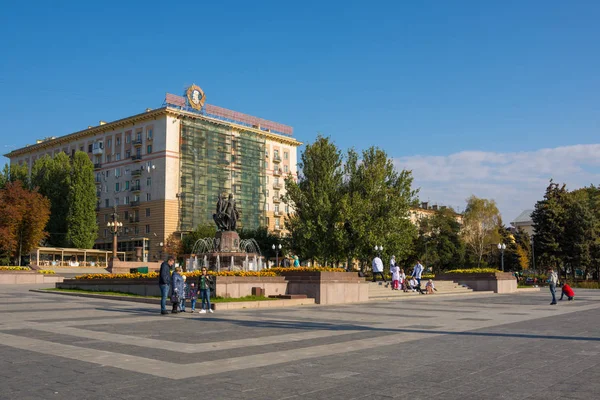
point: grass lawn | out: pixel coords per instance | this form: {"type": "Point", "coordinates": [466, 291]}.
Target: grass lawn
{"type": "Point", "coordinates": [213, 299]}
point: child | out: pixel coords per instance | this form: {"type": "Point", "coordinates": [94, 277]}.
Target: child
{"type": "Point", "coordinates": [402, 280]}
{"type": "Point", "coordinates": [567, 291]}
{"type": "Point", "coordinates": [192, 295]}
{"type": "Point", "coordinates": [430, 287]}
{"type": "Point", "coordinates": [185, 290]}
{"type": "Point", "coordinates": [395, 270]}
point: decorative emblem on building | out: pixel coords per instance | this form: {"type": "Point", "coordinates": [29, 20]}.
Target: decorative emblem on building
{"type": "Point", "coordinates": [195, 97]}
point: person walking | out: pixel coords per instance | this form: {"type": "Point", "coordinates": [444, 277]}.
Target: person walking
{"type": "Point", "coordinates": [552, 282]}
{"type": "Point", "coordinates": [378, 269]}
{"type": "Point", "coordinates": [164, 282]}
{"type": "Point", "coordinates": [204, 282]}
{"type": "Point", "coordinates": [417, 272]}
{"type": "Point", "coordinates": [176, 289]}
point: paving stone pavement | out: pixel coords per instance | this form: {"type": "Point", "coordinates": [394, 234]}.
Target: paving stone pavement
{"type": "Point", "coordinates": [465, 347]}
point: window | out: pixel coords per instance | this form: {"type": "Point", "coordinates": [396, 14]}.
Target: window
{"type": "Point", "coordinates": [275, 153]}
{"type": "Point", "coordinates": [89, 148]}
{"type": "Point", "coordinates": [267, 153]}
{"type": "Point", "coordinates": [137, 230]}
{"type": "Point", "coordinates": [118, 141]}
{"type": "Point", "coordinates": [117, 172]}
{"type": "Point", "coordinates": [267, 179]}
{"type": "Point", "coordinates": [276, 208]}
{"type": "Point", "coordinates": [149, 149]}
{"type": "Point", "coordinates": [277, 222]}
{"type": "Point", "coordinates": [126, 185]}
{"type": "Point", "coordinates": [126, 171]}
{"type": "Point", "coordinates": [147, 228]}
{"type": "Point", "coordinates": [105, 233]}
{"type": "Point", "coordinates": [128, 154]}
{"type": "Point", "coordinates": [148, 181]}
{"type": "Point", "coordinates": [81, 148]}
{"type": "Point", "coordinates": [276, 181]}
{"type": "Point", "coordinates": [138, 136]}
{"type": "Point", "coordinates": [126, 200]}
{"type": "Point", "coordinates": [285, 155]}
{"type": "Point", "coordinates": [105, 217]}
{"type": "Point", "coordinates": [147, 212]}
{"type": "Point", "coordinates": [117, 156]}
{"type": "Point", "coordinates": [276, 194]}
{"type": "Point", "coordinates": [116, 201]}
{"type": "Point", "coordinates": [126, 215]}
{"type": "Point", "coordinates": [267, 192]}
{"type": "Point", "coordinates": [108, 143]}
{"type": "Point", "coordinates": [149, 134]}
{"type": "Point", "coordinates": [98, 177]}
{"type": "Point", "coordinates": [287, 209]}
{"type": "Point", "coordinates": [266, 164]}
{"type": "Point", "coordinates": [267, 221]}
{"type": "Point", "coordinates": [108, 158]}
{"type": "Point", "coordinates": [266, 206]}
{"type": "Point", "coordinates": [106, 202]}
{"type": "Point", "coordinates": [128, 138]}
{"type": "Point", "coordinates": [148, 197]}
{"type": "Point", "coordinates": [117, 187]}
{"type": "Point", "coordinates": [285, 169]}
{"type": "Point", "coordinates": [126, 230]}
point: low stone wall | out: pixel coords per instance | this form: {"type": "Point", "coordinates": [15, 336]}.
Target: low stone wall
{"type": "Point", "coordinates": [499, 282]}
{"type": "Point", "coordinates": [328, 287]}
{"type": "Point", "coordinates": [323, 287]}
{"type": "Point", "coordinates": [26, 277]}
{"type": "Point", "coordinates": [241, 286]}
{"type": "Point", "coordinates": [123, 267]}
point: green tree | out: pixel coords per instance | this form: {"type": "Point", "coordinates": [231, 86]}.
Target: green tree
{"type": "Point", "coordinates": [82, 228]}
{"type": "Point", "coordinates": [439, 244]}
{"type": "Point", "coordinates": [13, 173]}
{"type": "Point", "coordinates": [578, 233]}
{"type": "Point", "coordinates": [376, 205]}
{"type": "Point", "coordinates": [481, 222]}
{"type": "Point", "coordinates": [549, 222]}
{"type": "Point", "coordinates": [52, 177]}
{"type": "Point", "coordinates": [265, 241]}
{"type": "Point", "coordinates": [202, 231]}
{"type": "Point", "coordinates": [316, 222]}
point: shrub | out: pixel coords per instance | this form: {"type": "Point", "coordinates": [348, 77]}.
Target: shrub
{"type": "Point", "coordinates": [46, 272]}
{"type": "Point", "coordinates": [15, 269]}
{"type": "Point", "coordinates": [472, 271]}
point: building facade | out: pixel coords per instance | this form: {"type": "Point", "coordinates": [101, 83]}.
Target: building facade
{"type": "Point", "coordinates": [163, 169]}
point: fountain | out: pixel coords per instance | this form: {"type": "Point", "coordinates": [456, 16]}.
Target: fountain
{"type": "Point", "coordinates": [226, 244]}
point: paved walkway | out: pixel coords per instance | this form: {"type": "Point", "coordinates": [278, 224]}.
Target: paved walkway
{"type": "Point", "coordinates": [471, 347]}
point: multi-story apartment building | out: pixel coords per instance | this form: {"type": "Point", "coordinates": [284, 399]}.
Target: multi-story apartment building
{"type": "Point", "coordinates": [164, 169]}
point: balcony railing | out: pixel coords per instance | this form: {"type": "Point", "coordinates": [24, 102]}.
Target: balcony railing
{"type": "Point", "coordinates": [137, 142]}
{"type": "Point", "coordinates": [135, 203]}
{"type": "Point", "coordinates": [136, 157]}
{"type": "Point", "coordinates": [277, 213]}
{"type": "Point", "coordinates": [276, 159]}
{"type": "Point", "coordinates": [97, 166]}
{"type": "Point", "coordinates": [135, 188]}
{"type": "Point", "coordinates": [278, 227]}
{"type": "Point", "coordinates": [277, 185]}
{"type": "Point", "coordinates": [276, 199]}
{"type": "Point", "coordinates": [277, 172]}
{"type": "Point", "coordinates": [136, 172]}
{"type": "Point", "coordinates": [134, 219]}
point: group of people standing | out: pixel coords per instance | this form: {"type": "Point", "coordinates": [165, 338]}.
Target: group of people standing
{"type": "Point", "coordinates": [174, 286]}
{"type": "Point", "coordinates": [399, 278]}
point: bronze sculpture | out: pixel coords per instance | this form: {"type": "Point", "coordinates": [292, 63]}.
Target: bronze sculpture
{"type": "Point", "coordinates": [226, 215]}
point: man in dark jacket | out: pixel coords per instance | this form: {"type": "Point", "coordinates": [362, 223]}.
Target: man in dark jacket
{"type": "Point", "coordinates": [164, 281]}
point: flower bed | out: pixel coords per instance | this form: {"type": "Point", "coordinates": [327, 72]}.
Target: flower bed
{"type": "Point", "coordinates": [472, 271]}
{"type": "Point", "coordinates": [15, 269]}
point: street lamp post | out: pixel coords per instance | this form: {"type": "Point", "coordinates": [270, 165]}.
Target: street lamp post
{"type": "Point", "coordinates": [502, 247]}
{"type": "Point", "coordinates": [378, 250]}
{"type": "Point", "coordinates": [277, 250]}
{"type": "Point", "coordinates": [115, 227]}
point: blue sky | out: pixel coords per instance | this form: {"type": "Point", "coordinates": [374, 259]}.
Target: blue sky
{"type": "Point", "coordinates": [473, 96]}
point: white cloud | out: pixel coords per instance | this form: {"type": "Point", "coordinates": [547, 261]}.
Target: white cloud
{"type": "Point", "coordinates": [515, 180]}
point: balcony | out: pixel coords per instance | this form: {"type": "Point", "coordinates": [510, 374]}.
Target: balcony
{"type": "Point", "coordinates": [99, 182]}
{"type": "Point", "coordinates": [135, 188]}
{"type": "Point", "coordinates": [97, 166]}
{"type": "Point", "coordinates": [277, 172]}
{"type": "Point", "coordinates": [276, 199]}
{"type": "Point", "coordinates": [276, 159]}
{"type": "Point", "coordinates": [277, 185]}
{"type": "Point", "coordinates": [98, 148]}
{"type": "Point", "coordinates": [136, 172]}
{"type": "Point", "coordinates": [137, 142]}
{"type": "Point", "coordinates": [98, 193]}
{"type": "Point", "coordinates": [134, 220]}
{"type": "Point", "coordinates": [277, 213]}
{"type": "Point", "coordinates": [135, 203]}
{"type": "Point", "coordinates": [136, 157]}
{"type": "Point", "coordinates": [277, 228]}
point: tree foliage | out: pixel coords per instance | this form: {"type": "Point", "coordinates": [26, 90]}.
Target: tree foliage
{"type": "Point", "coordinates": [439, 244]}
{"type": "Point", "coordinates": [342, 210]}
{"type": "Point", "coordinates": [13, 173]}
{"type": "Point", "coordinates": [23, 216]}
{"type": "Point", "coordinates": [82, 228]}
{"type": "Point", "coordinates": [481, 221]}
